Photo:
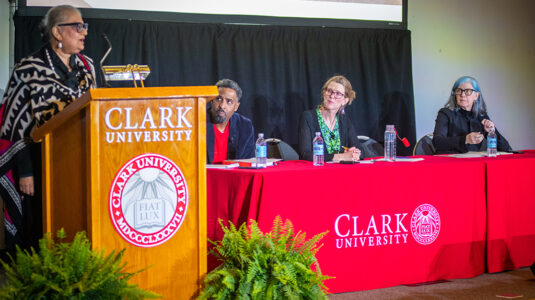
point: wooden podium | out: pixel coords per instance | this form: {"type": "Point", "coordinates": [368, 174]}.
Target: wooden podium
{"type": "Point", "coordinates": [128, 166]}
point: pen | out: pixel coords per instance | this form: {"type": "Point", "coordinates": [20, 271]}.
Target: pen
{"type": "Point", "coordinates": [345, 148]}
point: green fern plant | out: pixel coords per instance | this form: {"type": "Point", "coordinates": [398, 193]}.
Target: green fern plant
{"type": "Point", "coordinates": [68, 271]}
{"type": "Point", "coordinates": [281, 264]}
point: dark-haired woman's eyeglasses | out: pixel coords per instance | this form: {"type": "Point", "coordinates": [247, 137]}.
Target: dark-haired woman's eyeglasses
{"type": "Point", "coordinates": [78, 26]}
{"type": "Point", "coordinates": [466, 92]}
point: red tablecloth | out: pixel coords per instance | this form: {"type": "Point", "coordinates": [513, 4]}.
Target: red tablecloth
{"type": "Point", "coordinates": [511, 212]}
{"type": "Point", "coordinates": [389, 223]}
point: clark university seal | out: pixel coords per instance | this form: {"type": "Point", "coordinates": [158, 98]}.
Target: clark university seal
{"type": "Point", "coordinates": [425, 224]}
{"type": "Point", "coordinates": [148, 200]}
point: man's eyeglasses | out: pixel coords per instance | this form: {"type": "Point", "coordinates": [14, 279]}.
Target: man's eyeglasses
{"type": "Point", "coordinates": [336, 94]}
{"type": "Point", "coordinates": [78, 26]}
{"type": "Point", "coordinates": [466, 92]}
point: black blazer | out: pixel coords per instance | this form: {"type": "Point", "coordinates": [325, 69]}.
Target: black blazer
{"type": "Point", "coordinates": [451, 128]}
{"type": "Point", "coordinates": [309, 125]}
{"type": "Point", "coordinates": [241, 142]}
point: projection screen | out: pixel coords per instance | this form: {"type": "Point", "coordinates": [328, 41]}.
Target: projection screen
{"type": "Point", "coordinates": [344, 13]}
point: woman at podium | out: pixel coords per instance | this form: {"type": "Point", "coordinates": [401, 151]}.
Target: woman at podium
{"type": "Point", "coordinates": [40, 86]}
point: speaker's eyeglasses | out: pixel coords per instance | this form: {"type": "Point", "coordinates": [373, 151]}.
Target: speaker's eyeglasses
{"type": "Point", "coordinates": [78, 26]}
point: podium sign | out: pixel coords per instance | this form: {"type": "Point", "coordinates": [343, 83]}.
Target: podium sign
{"type": "Point", "coordinates": [128, 166]}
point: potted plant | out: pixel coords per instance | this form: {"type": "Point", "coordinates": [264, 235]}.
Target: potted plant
{"type": "Point", "coordinates": [68, 271]}
{"type": "Point", "coordinates": [278, 265]}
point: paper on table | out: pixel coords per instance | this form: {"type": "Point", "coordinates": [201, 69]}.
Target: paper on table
{"type": "Point", "coordinates": [405, 159]}
{"type": "Point", "coordinates": [362, 161]}
{"type": "Point", "coordinates": [230, 166]}
{"type": "Point", "coordinates": [471, 154]}
{"type": "Point", "coordinates": [468, 154]}
{"type": "Point", "coordinates": [248, 162]}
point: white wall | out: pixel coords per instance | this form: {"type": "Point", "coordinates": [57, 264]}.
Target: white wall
{"type": "Point", "coordinates": [4, 44]}
{"type": "Point", "coordinates": [491, 40]}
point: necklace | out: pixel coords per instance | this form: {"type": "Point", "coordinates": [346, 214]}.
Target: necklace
{"type": "Point", "coordinates": [81, 80]}
{"type": "Point", "coordinates": [330, 123]}
{"type": "Point", "coordinates": [50, 61]}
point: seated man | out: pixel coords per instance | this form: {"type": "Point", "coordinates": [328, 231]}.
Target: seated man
{"type": "Point", "coordinates": [229, 135]}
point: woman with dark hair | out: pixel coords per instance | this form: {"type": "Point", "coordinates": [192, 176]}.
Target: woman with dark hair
{"type": "Point", "coordinates": [463, 124]}
{"type": "Point", "coordinates": [40, 86]}
{"type": "Point", "coordinates": [340, 139]}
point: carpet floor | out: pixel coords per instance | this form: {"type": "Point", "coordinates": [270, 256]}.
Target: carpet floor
{"type": "Point", "coordinates": [516, 284]}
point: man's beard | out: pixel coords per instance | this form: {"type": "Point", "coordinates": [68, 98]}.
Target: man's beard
{"type": "Point", "coordinates": [217, 118]}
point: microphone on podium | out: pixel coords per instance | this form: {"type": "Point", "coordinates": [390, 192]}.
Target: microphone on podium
{"type": "Point", "coordinates": [104, 81]}
{"type": "Point", "coordinates": [122, 73]}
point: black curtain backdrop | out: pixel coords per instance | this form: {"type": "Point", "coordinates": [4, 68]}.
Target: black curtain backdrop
{"type": "Point", "coordinates": [281, 69]}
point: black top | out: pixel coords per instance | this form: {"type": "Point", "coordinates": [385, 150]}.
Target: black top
{"type": "Point", "coordinates": [71, 79]}
{"type": "Point", "coordinates": [451, 128]}
{"type": "Point", "coordinates": [309, 125]}
{"type": "Point", "coordinates": [241, 142]}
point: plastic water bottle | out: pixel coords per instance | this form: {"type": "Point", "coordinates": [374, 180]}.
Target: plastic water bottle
{"type": "Point", "coordinates": [390, 143]}
{"type": "Point", "coordinates": [492, 143]}
{"type": "Point", "coordinates": [261, 152]}
{"type": "Point", "coordinates": [317, 148]}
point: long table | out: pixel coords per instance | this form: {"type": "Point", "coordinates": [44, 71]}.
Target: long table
{"type": "Point", "coordinates": [389, 223]}
{"type": "Point", "coordinates": [510, 184]}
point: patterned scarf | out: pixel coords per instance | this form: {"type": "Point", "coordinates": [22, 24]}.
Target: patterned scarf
{"type": "Point", "coordinates": [330, 138]}
{"type": "Point", "coordinates": [34, 94]}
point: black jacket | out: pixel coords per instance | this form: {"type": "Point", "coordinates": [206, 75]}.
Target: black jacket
{"type": "Point", "coordinates": [309, 125]}
{"type": "Point", "coordinates": [451, 128]}
{"type": "Point", "coordinates": [241, 142]}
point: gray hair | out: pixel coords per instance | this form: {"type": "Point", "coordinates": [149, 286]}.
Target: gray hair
{"type": "Point", "coordinates": [479, 107]}
{"type": "Point", "coordinates": [231, 84]}
{"type": "Point", "coordinates": [56, 15]}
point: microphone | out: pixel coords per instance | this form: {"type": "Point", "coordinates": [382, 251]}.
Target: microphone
{"type": "Point", "coordinates": [104, 81]}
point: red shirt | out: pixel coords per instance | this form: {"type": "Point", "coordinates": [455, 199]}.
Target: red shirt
{"type": "Point", "coordinates": [220, 144]}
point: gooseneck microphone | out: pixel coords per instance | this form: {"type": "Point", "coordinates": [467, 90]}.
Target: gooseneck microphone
{"type": "Point", "coordinates": [103, 77]}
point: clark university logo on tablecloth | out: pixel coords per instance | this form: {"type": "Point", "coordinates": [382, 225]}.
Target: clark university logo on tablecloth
{"type": "Point", "coordinates": [148, 200]}
{"type": "Point", "coordinates": [387, 229]}
{"type": "Point", "coordinates": [425, 224]}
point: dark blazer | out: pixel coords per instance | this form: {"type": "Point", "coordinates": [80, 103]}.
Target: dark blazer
{"type": "Point", "coordinates": [241, 143]}
{"type": "Point", "coordinates": [451, 128]}
{"type": "Point", "coordinates": [309, 125]}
